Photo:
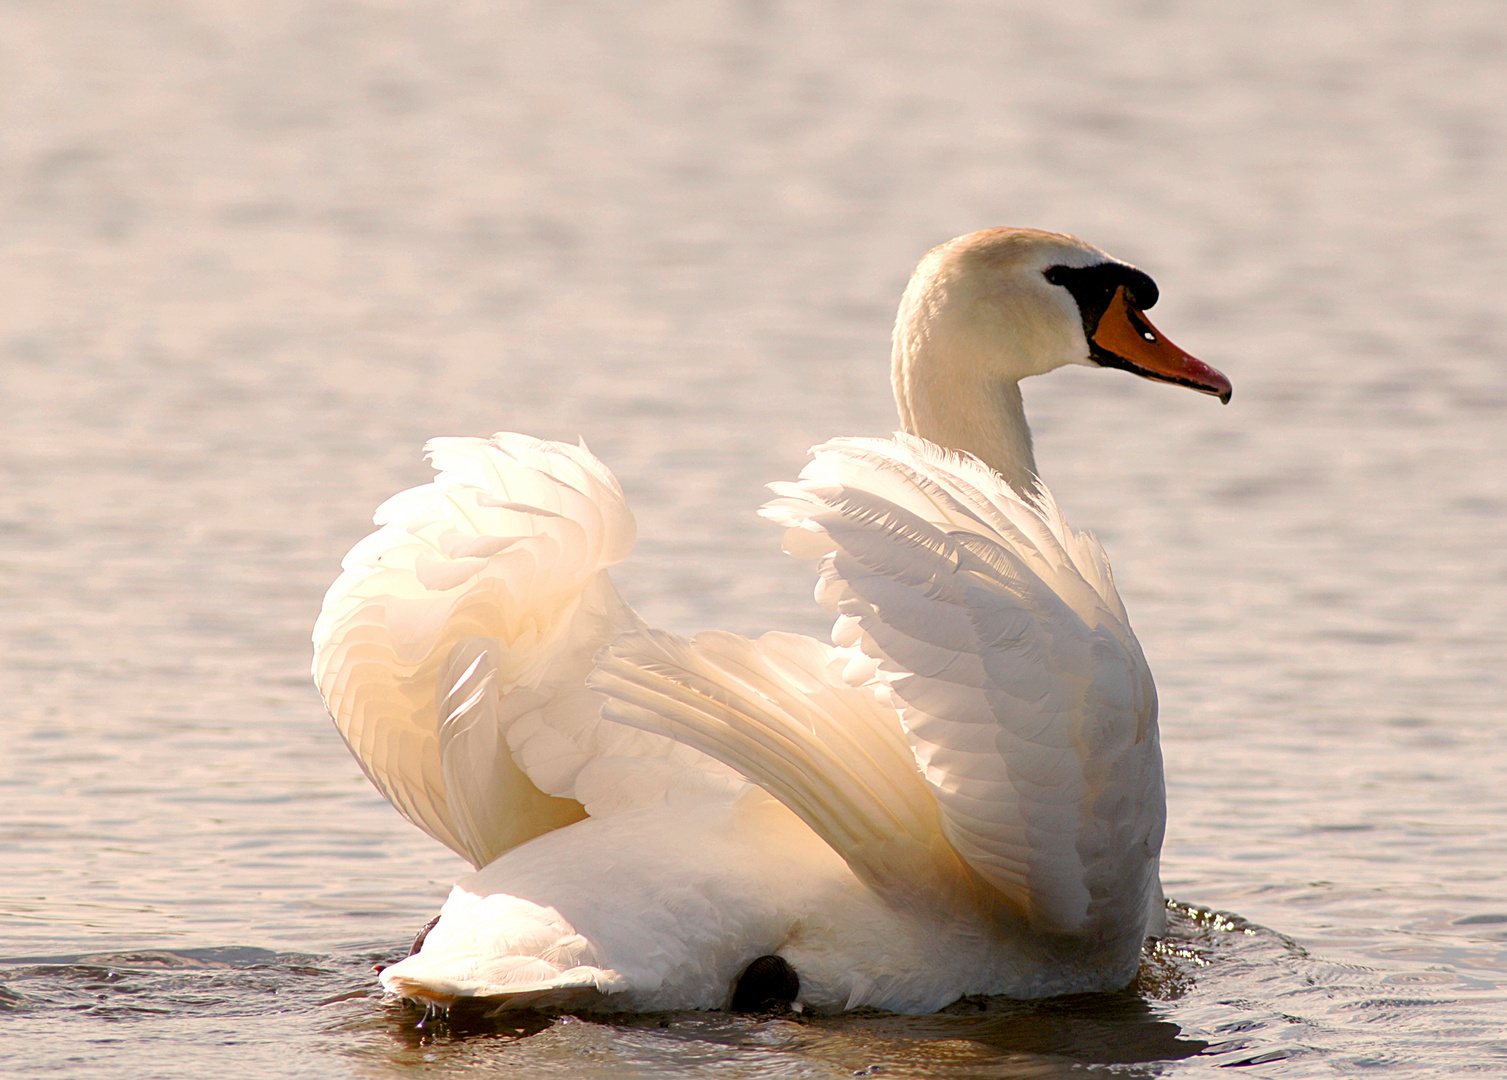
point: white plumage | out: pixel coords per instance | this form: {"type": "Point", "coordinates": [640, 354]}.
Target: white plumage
{"type": "Point", "coordinates": [961, 794]}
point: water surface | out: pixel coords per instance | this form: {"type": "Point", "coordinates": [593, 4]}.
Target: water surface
{"type": "Point", "coordinates": [255, 255]}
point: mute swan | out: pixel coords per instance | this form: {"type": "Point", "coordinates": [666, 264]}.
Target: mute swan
{"type": "Point", "coordinates": [961, 795]}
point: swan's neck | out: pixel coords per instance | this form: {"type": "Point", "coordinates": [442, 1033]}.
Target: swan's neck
{"type": "Point", "coordinates": [956, 405]}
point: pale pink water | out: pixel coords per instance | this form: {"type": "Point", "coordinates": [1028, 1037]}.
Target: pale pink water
{"type": "Point", "coordinates": [253, 255]}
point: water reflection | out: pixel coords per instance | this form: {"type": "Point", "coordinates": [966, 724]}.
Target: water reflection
{"type": "Point", "coordinates": [1064, 1037]}
{"type": "Point", "coordinates": [1097, 1029]}
{"type": "Point", "coordinates": [1216, 988]}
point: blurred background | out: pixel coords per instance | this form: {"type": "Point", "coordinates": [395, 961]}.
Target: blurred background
{"type": "Point", "coordinates": [252, 255]}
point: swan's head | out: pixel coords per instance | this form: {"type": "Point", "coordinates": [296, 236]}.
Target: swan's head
{"type": "Point", "coordinates": [1008, 303]}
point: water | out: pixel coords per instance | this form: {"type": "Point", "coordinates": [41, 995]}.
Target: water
{"type": "Point", "coordinates": [254, 255]}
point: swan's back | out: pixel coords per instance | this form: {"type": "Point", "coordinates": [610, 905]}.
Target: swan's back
{"type": "Point", "coordinates": [993, 637]}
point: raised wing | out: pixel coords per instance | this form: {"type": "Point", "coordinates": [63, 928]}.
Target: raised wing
{"type": "Point", "coordinates": [452, 650]}
{"type": "Point", "coordinates": [997, 633]}
{"type": "Point", "coordinates": [779, 711]}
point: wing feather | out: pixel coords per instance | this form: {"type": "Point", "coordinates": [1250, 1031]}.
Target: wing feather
{"type": "Point", "coordinates": [997, 632]}
{"type": "Point", "coordinates": [453, 649]}
{"type": "Point", "coordinates": [778, 710]}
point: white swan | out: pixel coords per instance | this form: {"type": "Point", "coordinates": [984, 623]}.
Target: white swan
{"type": "Point", "coordinates": [962, 796]}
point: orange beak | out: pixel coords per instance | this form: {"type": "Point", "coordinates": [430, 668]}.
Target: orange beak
{"type": "Point", "coordinates": [1126, 339]}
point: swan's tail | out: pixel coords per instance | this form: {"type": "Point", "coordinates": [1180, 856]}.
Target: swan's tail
{"type": "Point", "coordinates": [452, 650]}
{"type": "Point", "coordinates": [527, 957]}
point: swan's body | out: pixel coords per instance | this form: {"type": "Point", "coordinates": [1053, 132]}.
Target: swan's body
{"type": "Point", "coordinates": [962, 795]}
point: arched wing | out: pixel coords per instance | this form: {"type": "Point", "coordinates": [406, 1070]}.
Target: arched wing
{"type": "Point", "coordinates": [999, 637]}
{"type": "Point", "coordinates": [452, 650]}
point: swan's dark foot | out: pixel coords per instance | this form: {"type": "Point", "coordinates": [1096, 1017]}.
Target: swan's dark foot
{"type": "Point", "coordinates": [418, 942]}
{"type": "Point", "coordinates": [767, 983]}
